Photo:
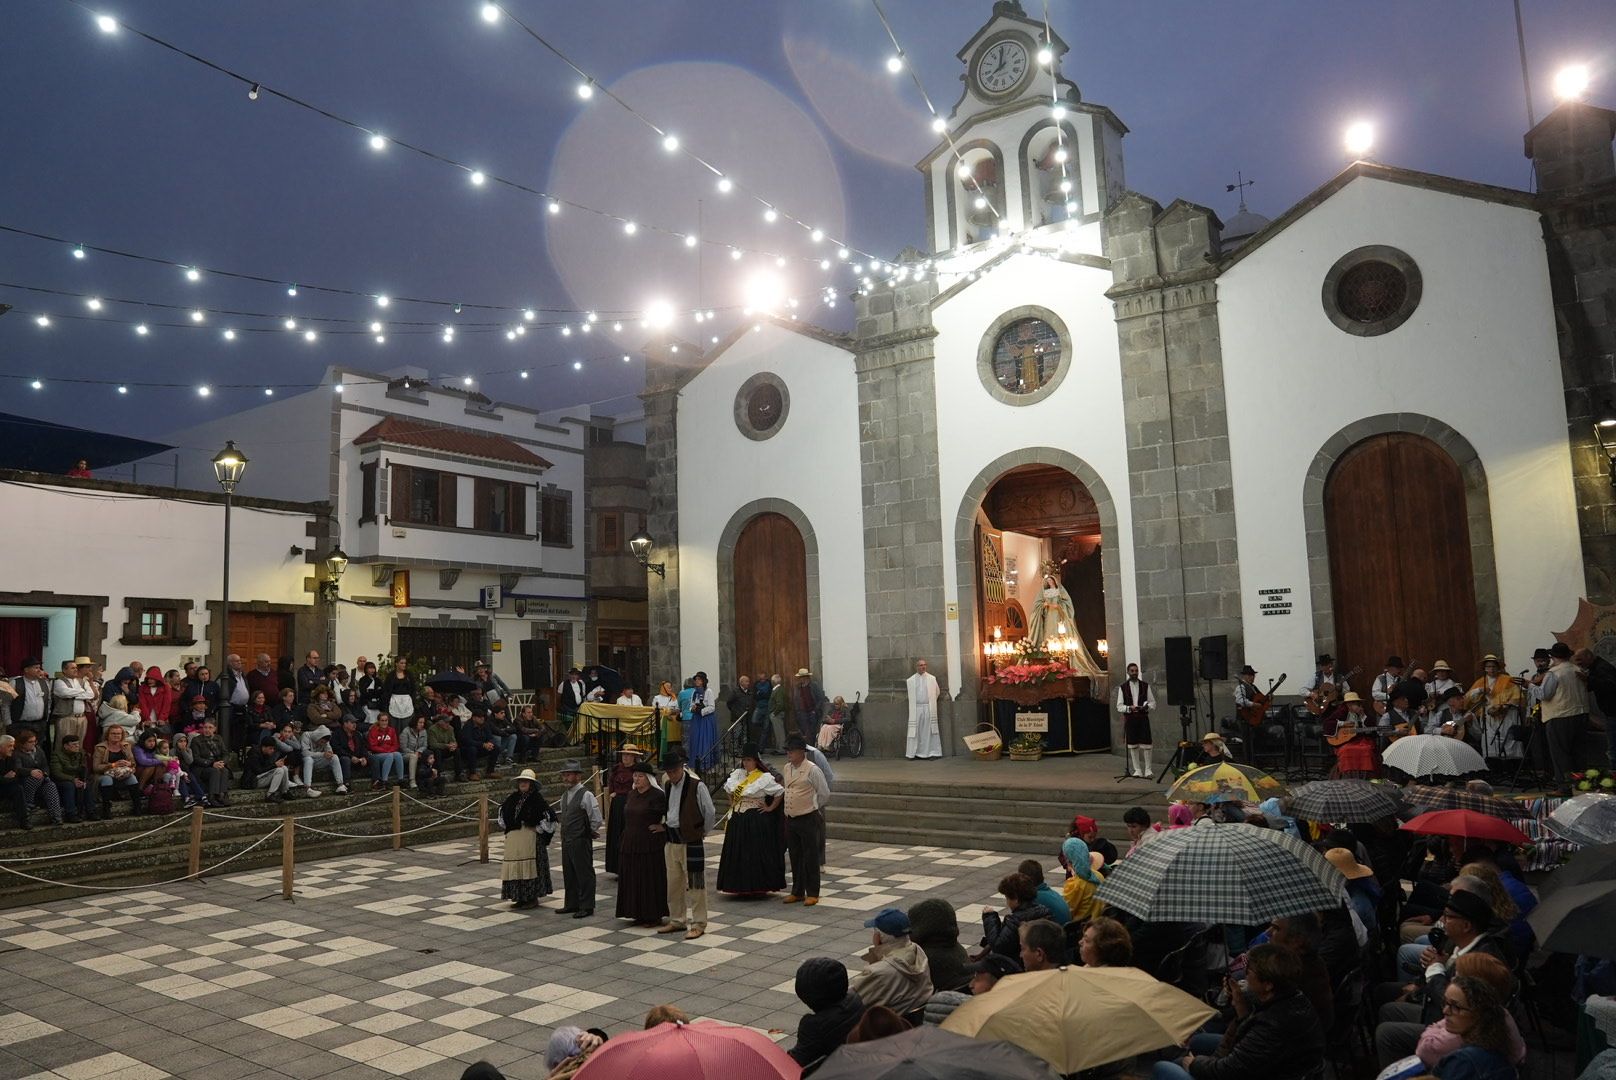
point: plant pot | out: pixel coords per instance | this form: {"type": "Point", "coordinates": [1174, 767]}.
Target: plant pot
{"type": "Point", "coordinates": [1026, 755]}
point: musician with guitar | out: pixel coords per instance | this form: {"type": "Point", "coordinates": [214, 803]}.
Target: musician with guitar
{"type": "Point", "coordinates": [1381, 691]}
{"type": "Point", "coordinates": [1324, 687]}
{"type": "Point", "coordinates": [1352, 732]}
{"type": "Point", "coordinates": [1250, 703]}
{"type": "Point", "coordinates": [1498, 700]}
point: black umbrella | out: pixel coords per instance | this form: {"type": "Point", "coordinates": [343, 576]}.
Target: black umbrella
{"type": "Point", "coordinates": [609, 679]}
{"type": "Point", "coordinates": [451, 682]}
{"type": "Point", "coordinates": [1577, 919]}
{"type": "Point", "coordinates": [1590, 864]}
{"type": "Point", "coordinates": [930, 1053]}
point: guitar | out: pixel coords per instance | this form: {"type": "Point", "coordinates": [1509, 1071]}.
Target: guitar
{"type": "Point", "coordinates": [1257, 711]}
{"type": "Point", "coordinates": [1325, 697]}
{"type": "Point", "coordinates": [1345, 732]}
{"type": "Point", "coordinates": [1380, 706]}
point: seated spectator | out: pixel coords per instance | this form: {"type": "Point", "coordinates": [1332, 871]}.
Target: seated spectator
{"type": "Point", "coordinates": [984, 975]}
{"type": "Point", "coordinates": [877, 1022]}
{"type": "Point", "coordinates": [287, 709]}
{"type": "Point", "coordinates": [181, 777]}
{"type": "Point", "coordinates": [1106, 943]}
{"type": "Point", "coordinates": [935, 928]}
{"type": "Point", "coordinates": [1083, 880]}
{"type": "Point", "coordinates": [385, 759]}
{"type": "Point", "coordinates": [115, 710]}
{"type": "Point", "coordinates": [317, 753]}
{"type": "Point", "coordinates": [148, 769]}
{"type": "Point", "coordinates": [1136, 819]}
{"type": "Point", "coordinates": [209, 765]}
{"type": "Point", "coordinates": [1475, 1013]}
{"type": "Point", "coordinates": [1043, 945]}
{"type": "Point", "coordinates": [1053, 902]}
{"type": "Point", "coordinates": [512, 743]}
{"type": "Point", "coordinates": [413, 744]}
{"type": "Point", "coordinates": [457, 708]}
{"type": "Point", "coordinates": [569, 1047]}
{"type": "Point", "coordinates": [1512, 899]}
{"type": "Point", "coordinates": [353, 704]}
{"type": "Point", "coordinates": [444, 741]}
{"type": "Point", "coordinates": [822, 985]}
{"type": "Point", "coordinates": [351, 748]}
{"type": "Point", "coordinates": [477, 702]}
{"type": "Point", "coordinates": [322, 709]}
{"type": "Point", "coordinates": [289, 741]}
{"type": "Point", "coordinates": [1275, 1036]}
{"type": "Point", "coordinates": [255, 717]}
{"type": "Point", "coordinates": [1363, 891]}
{"type": "Point", "coordinates": [1301, 935]}
{"type": "Point", "coordinates": [161, 728]}
{"type": "Point", "coordinates": [264, 766]}
{"type": "Point", "coordinates": [1002, 933]}
{"type": "Point", "coordinates": [197, 713]}
{"type": "Point", "coordinates": [69, 771]}
{"type": "Point", "coordinates": [669, 1014]}
{"type": "Point", "coordinates": [897, 974]}
{"type": "Point", "coordinates": [477, 746]}
{"type": "Point", "coordinates": [112, 766]}
{"type": "Point", "coordinates": [1087, 830]}
{"type": "Point", "coordinates": [31, 769]}
{"type": "Point", "coordinates": [1443, 1038]}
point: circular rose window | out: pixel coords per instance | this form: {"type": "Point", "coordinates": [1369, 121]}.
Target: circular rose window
{"type": "Point", "coordinates": [1024, 355]}
{"type": "Point", "coordinates": [1372, 290]}
{"type": "Point", "coordinates": [761, 405]}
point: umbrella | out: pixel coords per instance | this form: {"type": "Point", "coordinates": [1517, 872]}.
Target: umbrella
{"type": "Point", "coordinates": [1430, 797]}
{"type": "Point", "coordinates": [1225, 781]}
{"type": "Point", "coordinates": [451, 682]}
{"type": "Point", "coordinates": [1589, 864]}
{"type": "Point", "coordinates": [1344, 801]}
{"type": "Point", "coordinates": [1238, 874]}
{"type": "Point", "coordinates": [1577, 919]}
{"type": "Point", "coordinates": [696, 1051]}
{"type": "Point", "coordinates": [930, 1053]}
{"type": "Point", "coordinates": [1433, 755]}
{"type": "Point", "coordinates": [1585, 819]}
{"type": "Point", "coordinates": [1078, 1017]}
{"type": "Point", "coordinates": [1468, 824]}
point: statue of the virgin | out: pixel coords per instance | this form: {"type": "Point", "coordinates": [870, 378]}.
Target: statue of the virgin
{"type": "Point", "coordinates": [1053, 615]}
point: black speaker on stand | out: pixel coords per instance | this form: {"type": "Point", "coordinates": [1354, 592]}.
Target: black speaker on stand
{"type": "Point", "coordinates": [536, 665]}
{"type": "Point", "coordinates": [1180, 661]}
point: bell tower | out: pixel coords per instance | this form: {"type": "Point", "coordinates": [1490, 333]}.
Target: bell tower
{"type": "Point", "coordinates": [1021, 149]}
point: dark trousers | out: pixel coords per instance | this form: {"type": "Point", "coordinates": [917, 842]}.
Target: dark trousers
{"type": "Point", "coordinates": [1564, 734]}
{"type": "Point", "coordinates": [578, 871]}
{"type": "Point", "coordinates": [472, 753]}
{"type": "Point", "coordinates": [804, 836]}
{"type": "Point", "coordinates": [77, 802]}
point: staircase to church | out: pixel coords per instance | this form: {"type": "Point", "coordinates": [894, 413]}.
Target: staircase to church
{"type": "Point", "coordinates": [163, 856]}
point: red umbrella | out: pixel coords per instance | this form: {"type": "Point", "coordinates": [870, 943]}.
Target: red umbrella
{"type": "Point", "coordinates": [701, 1051]}
{"type": "Point", "coordinates": [1468, 824]}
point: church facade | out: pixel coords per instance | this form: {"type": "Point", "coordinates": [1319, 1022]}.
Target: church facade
{"type": "Point", "coordinates": [1364, 427]}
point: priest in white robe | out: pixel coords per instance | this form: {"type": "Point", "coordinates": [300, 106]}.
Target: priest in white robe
{"type": "Point", "coordinates": [924, 740]}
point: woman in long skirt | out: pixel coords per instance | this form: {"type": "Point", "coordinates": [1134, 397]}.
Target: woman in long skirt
{"type": "Point", "coordinates": [524, 871]}
{"type": "Point", "coordinates": [753, 862]}
{"type": "Point", "coordinates": [701, 723]}
{"type": "Point", "coordinates": [642, 878]}
{"type": "Point", "coordinates": [618, 784]}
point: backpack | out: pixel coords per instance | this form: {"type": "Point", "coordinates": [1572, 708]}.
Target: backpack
{"type": "Point", "coordinates": [159, 799]}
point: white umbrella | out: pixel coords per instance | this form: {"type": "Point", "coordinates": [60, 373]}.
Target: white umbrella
{"type": "Point", "coordinates": [1433, 755]}
{"type": "Point", "coordinates": [1586, 819]}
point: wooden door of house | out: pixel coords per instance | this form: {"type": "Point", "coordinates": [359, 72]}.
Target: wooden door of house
{"type": "Point", "coordinates": [771, 599]}
{"type": "Point", "coordinates": [252, 633]}
{"type": "Point", "coordinates": [1401, 571]}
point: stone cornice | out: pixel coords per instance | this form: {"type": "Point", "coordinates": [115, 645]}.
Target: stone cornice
{"type": "Point", "coordinates": [895, 350]}
{"type": "Point", "coordinates": [1157, 294]}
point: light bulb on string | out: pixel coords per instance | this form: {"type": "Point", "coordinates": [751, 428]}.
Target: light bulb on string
{"type": "Point", "coordinates": [478, 178]}
{"type": "Point", "coordinates": [142, 329]}
{"type": "Point", "coordinates": [735, 253]}
{"type": "Point", "coordinates": [375, 327]}
{"type": "Point", "coordinates": [817, 235]}
{"type": "Point", "coordinates": [490, 13]}
{"type": "Point", "coordinates": [670, 142]}
{"type": "Point", "coordinates": [457, 309]}
{"type": "Point", "coordinates": [290, 324]}
{"type": "Point", "coordinates": [510, 335]}
{"type": "Point", "coordinates": [383, 301]}
{"type": "Point", "coordinates": [42, 320]}
{"type": "Point", "coordinates": [93, 304]}
{"type": "Point", "coordinates": [566, 331]}
{"type": "Point", "coordinates": [37, 385]}
{"type": "Point", "coordinates": [78, 251]}
{"type": "Point", "coordinates": [229, 335]}
{"type": "Point", "coordinates": [520, 329]}
{"type": "Point", "coordinates": [107, 24]}
{"type": "Point", "coordinates": [842, 253]}
{"type": "Point", "coordinates": [626, 358]}
{"type": "Point", "coordinates": [725, 185]}
{"type": "Point", "coordinates": [553, 206]}
{"type": "Point", "coordinates": [583, 328]}
{"type": "Point", "coordinates": [963, 171]}
{"type": "Point", "coordinates": [1046, 56]}
{"type": "Point", "coordinates": [523, 373]}
{"type": "Point", "coordinates": [269, 391]}
{"type": "Point", "coordinates": [690, 240]}
{"type": "Point", "coordinates": [309, 336]}
{"type": "Point", "coordinates": [629, 228]}
{"type": "Point", "coordinates": [377, 142]}
{"type": "Point", "coordinates": [618, 327]}
{"type": "Point", "coordinates": [592, 317]}
{"type": "Point", "coordinates": [771, 215]}
{"type": "Point", "coordinates": [1058, 112]}
{"type": "Point", "coordinates": [939, 125]}
{"type": "Point", "coordinates": [197, 315]}
{"type": "Point", "coordinates": [894, 64]}
{"type": "Point", "coordinates": [252, 92]}
{"type": "Point", "coordinates": [381, 339]}
{"type": "Point", "coordinates": [291, 290]}
{"type": "Point", "coordinates": [192, 274]}
{"type": "Point", "coordinates": [586, 91]}
{"type": "Point", "coordinates": [1060, 156]}
{"type": "Point", "coordinates": [123, 389]}
{"type": "Point", "coordinates": [529, 314]}
{"type": "Point", "coordinates": [577, 365]}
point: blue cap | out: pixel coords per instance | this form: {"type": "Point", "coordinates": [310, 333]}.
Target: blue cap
{"type": "Point", "coordinates": [890, 921]}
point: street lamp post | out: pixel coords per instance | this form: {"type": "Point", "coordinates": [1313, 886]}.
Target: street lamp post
{"type": "Point", "coordinates": [640, 544]}
{"type": "Point", "coordinates": [228, 466]}
{"type": "Point", "coordinates": [330, 592]}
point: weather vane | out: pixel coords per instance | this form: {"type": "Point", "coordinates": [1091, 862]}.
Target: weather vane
{"type": "Point", "coordinates": [1241, 187]}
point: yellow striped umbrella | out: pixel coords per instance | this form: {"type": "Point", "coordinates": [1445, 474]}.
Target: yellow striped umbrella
{"type": "Point", "coordinates": [1226, 781]}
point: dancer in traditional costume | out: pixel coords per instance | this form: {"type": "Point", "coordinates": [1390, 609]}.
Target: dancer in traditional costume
{"type": "Point", "coordinates": [642, 877]}
{"type": "Point", "coordinates": [619, 782]}
{"type": "Point", "coordinates": [753, 862]}
{"type": "Point", "coordinates": [524, 869]}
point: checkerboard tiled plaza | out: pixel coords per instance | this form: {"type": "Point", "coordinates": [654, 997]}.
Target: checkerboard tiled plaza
{"type": "Point", "coordinates": [409, 964]}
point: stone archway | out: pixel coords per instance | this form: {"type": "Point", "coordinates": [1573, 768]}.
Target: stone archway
{"type": "Point", "coordinates": [1478, 513]}
{"type": "Point", "coordinates": [727, 541]}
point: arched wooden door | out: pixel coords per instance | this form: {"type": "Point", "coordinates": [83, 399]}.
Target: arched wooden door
{"type": "Point", "coordinates": [1401, 577]}
{"type": "Point", "coordinates": [771, 598]}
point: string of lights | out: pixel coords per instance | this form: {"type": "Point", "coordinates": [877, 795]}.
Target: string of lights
{"type": "Point", "coordinates": [476, 175]}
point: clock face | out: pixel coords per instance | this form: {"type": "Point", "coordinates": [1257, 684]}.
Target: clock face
{"type": "Point", "coordinates": [1002, 66]}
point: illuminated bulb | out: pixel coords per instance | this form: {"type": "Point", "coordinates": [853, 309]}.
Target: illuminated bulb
{"type": "Point", "coordinates": [894, 64]}
{"type": "Point", "coordinates": [1045, 56]}
{"type": "Point", "coordinates": [291, 290]}
{"type": "Point", "coordinates": [1571, 82]}
{"type": "Point", "coordinates": [1060, 156]}
{"type": "Point", "coordinates": [378, 143]}
{"type": "Point", "coordinates": [521, 329]}
{"type": "Point", "coordinates": [1071, 208]}
{"type": "Point", "coordinates": [337, 388]}
{"type": "Point", "coordinates": [203, 391]}
{"type": "Point", "coordinates": [478, 178]}
{"type": "Point", "coordinates": [1065, 186]}
{"type": "Point", "coordinates": [577, 365]}
{"type": "Point", "coordinates": [107, 23]}
{"type": "Point", "coordinates": [735, 253]}
{"type": "Point", "coordinates": [939, 125]}
{"type": "Point", "coordinates": [690, 240]}
{"type": "Point", "coordinates": [1058, 112]}
{"type": "Point", "coordinates": [824, 264]}
{"type": "Point", "coordinates": [566, 331]}
{"type": "Point", "coordinates": [981, 202]}
{"type": "Point", "coordinates": [252, 92]}
{"type": "Point", "coordinates": [725, 185]}
{"type": "Point", "coordinates": [670, 142]}
{"type": "Point", "coordinates": [229, 335]}
{"type": "Point", "coordinates": [617, 326]}
{"type": "Point", "coordinates": [553, 206]}
{"type": "Point", "coordinates": [630, 228]}
{"type": "Point", "coordinates": [37, 385]}
{"type": "Point", "coordinates": [1359, 137]}
{"type": "Point", "coordinates": [771, 215]}
{"type": "Point", "coordinates": [585, 91]}
{"type": "Point", "coordinates": [490, 13]}
{"type": "Point", "coordinates": [42, 320]}
{"type": "Point", "coordinates": [858, 268]}
{"type": "Point", "coordinates": [963, 171]}
{"type": "Point", "coordinates": [523, 373]}
{"type": "Point", "coordinates": [842, 253]}
{"type": "Point", "coordinates": [583, 328]}
{"type": "Point", "coordinates": [123, 389]}
{"type": "Point", "coordinates": [375, 328]}
{"type": "Point", "coordinates": [93, 304]}
{"type": "Point", "coordinates": [780, 260]}
{"type": "Point", "coordinates": [448, 338]}
{"type": "Point", "coordinates": [381, 339]}
{"type": "Point", "coordinates": [659, 314]}
{"type": "Point", "coordinates": [700, 317]}
{"type": "Point", "coordinates": [530, 314]}
{"type": "Point", "coordinates": [78, 251]}
{"type": "Point", "coordinates": [467, 381]}
{"type": "Point", "coordinates": [673, 348]}
{"type": "Point", "coordinates": [715, 339]}
{"type": "Point", "coordinates": [592, 317]}
{"type": "Point", "coordinates": [309, 335]}
{"type": "Point", "coordinates": [510, 335]}
{"type": "Point", "coordinates": [142, 329]}
{"type": "Point", "coordinates": [269, 391]}
{"type": "Point", "coordinates": [625, 358]}
{"type": "Point", "coordinates": [817, 235]}
{"type": "Point", "coordinates": [457, 309]}
{"type": "Point", "coordinates": [197, 315]}
{"type": "Point", "coordinates": [383, 301]}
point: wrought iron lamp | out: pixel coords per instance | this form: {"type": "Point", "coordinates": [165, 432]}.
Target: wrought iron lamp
{"type": "Point", "coordinates": [640, 544]}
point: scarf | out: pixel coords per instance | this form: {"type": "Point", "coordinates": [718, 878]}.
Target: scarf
{"type": "Point", "coordinates": [1076, 854]}
{"type": "Point", "coordinates": [1179, 815]}
{"type": "Point", "coordinates": [696, 864]}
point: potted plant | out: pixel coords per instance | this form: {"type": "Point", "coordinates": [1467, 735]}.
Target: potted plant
{"type": "Point", "coordinates": [1028, 746]}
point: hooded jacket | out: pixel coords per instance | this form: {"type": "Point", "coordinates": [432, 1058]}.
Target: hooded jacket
{"type": "Point", "coordinates": [822, 986]}
{"type": "Point", "coordinates": [935, 928]}
{"type": "Point", "coordinates": [156, 697]}
{"type": "Point", "coordinates": [1282, 1040]}
{"type": "Point", "coordinates": [897, 977]}
{"type": "Point", "coordinates": [1002, 933]}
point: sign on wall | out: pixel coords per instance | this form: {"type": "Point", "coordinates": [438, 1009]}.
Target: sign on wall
{"type": "Point", "coordinates": [1032, 721]}
{"type": "Point", "coordinates": [401, 588]}
{"type": "Point", "coordinates": [1274, 601]}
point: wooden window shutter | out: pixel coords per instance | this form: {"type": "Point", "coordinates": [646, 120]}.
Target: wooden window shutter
{"type": "Point", "coordinates": [482, 503]}
{"type": "Point", "coordinates": [448, 483]}
{"type": "Point", "coordinates": [516, 495]}
{"type": "Point", "coordinates": [399, 477]}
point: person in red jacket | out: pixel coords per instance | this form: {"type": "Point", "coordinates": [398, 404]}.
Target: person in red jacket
{"type": "Point", "coordinates": [385, 758]}
{"type": "Point", "coordinates": [156, 699]}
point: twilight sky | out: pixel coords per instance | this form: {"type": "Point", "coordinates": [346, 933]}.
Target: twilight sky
{"type": "Point", "coordinates": [112, 141]}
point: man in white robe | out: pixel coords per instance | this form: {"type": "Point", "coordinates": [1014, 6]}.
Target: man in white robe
{"type": "Point", "coordinates": [924, 739]}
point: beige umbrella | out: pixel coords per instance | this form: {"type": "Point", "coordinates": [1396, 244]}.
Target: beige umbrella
{"type": "Point", "coordinates": [1078, 1017]}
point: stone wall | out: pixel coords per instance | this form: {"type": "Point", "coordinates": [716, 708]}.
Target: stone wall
{"type": "Point", "coordinates": [1186, 566]}
{"type": "Point", "coordinates": [663, 381]}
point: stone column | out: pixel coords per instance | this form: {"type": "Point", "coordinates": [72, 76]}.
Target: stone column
{"type": "Point", "coordinates": [1186, 570]}
{"type": "Point", "coordinates": [663, 382]}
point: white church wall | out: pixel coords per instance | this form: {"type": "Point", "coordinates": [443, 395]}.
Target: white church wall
{"type": "Point", "coordinates": [812, 462]}
{"type": "Point", "coordinates": [975, 428]}
{"type": "Point", "coordinates": [1478, 354]}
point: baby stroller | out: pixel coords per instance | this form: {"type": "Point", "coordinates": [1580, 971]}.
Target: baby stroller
{"type": "Point", "coordinates": [842, 737]}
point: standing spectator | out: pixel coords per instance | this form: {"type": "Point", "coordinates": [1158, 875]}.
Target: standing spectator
{"type": "Point", "coordinates": [385, 759]}
{"type": "Point", "coordinates": [700, 721]}
{"type": "Point", "coordinates": [640, 860]}
{"type": "Point", "coordinates": [579, 823]}
{"type": "Point", "coordinates": [201, 685]}
{"type": "Point", "coordinates": [33, 780]}
{"type": "Point", "coordinates": [1600, 675]}
{"type": "Point", "coordinates": [739, 704]}
{"type": "Point", "coordinates": [834, 1009]}
{"type": "Point", "coordinates": [31, 706]}
{"type": "Point", "coordinates": [762, 688]}
{"type": "Point", "coordinates": [1565, 712]}
{"type": "Point", "coordinates": [492, 686]}
{"type": "Point", "coordinates": [310, 675]}
{"type": "Point", "coordinates": [70, 773]}
{"type": "Point", "coordinates": [208, 764]}
{"type": "Point", "coordinates": [690, 817]}
{"type": "Point", "coordinates": [234, 692]}
{"type": "Point", "coordinates": [397, 694]}
{"type": "Point", "coordinates": [571, 695]}
{"type": "Point", "coordinates": [807, 705]}
{"type": "Point", "coordinates": [525, 862]}
{"type": "Point", "coordinates": [807, 792]}
{"type": "Point", "coordinates": [69, 694]}
{"type": "Point", "coordinates": [666, 706]}
{"type": "Point", "coordinates": [262, 679]}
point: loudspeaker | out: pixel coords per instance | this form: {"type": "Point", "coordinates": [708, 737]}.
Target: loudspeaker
{"type": "Point", "coordinates": [1180, 670]}
{"type": "Point", "coordinates": [1215, 657]}
{"type": "Point", "coordinates": [536, 665]}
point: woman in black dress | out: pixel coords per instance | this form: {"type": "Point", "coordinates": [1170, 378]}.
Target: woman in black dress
{"type": "Point", "coordinates": [753, 862]}
{"type": "Point", "coordinates": [618, 785]}
{"type": "Point", "coordinates": [642, 878]}
{"type": "Point", "coordinates": [525, 865]}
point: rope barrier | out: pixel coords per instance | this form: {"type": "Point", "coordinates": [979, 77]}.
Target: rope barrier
{"type": "Point", "coordinates": [323, 813]}
{"type": "Point", "coordinates": [148, 884]}
{"type": "Point", "coordinates": [98, 847]}
{"type": "Point", "coordinates": [374, 836]}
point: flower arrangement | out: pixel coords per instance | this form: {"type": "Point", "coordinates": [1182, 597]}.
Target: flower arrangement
{"type": "Point", "coordinates": [1592, 780]}
{"type": "Point", "coordinates": [1031, 671]}
{"type": "Point", "coordinates": [1028, 746]}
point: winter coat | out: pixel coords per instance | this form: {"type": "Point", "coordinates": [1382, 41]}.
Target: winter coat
{"type": "Point", "coordinates": [935, 928]}
{"type": "Point", "coordinates": [822, 986]}
{"type": "Point", "coordinates": [897, 977]}
{"type": "Point", "coordinates": [1282, 1040]}
{"type": "Point", "coordinates": [1002, 933]}
{"type": "Point", "coordinates": [67, 767]}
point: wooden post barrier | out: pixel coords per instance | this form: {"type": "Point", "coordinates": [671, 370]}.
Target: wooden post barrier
{"type": "Point", "coordinates": [288, 856]}
{"type": "Point", "coordinates": [398, 818]}
{"type": "Point", "coordinates": [482, 827]}
{"type": "Point", "coordinates": [193, 865]}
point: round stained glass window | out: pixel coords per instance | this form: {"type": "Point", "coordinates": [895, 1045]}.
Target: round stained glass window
{"type": "Point", "coordinates": [1372, 290]}
{"type": "Point", "coordinates": [764, 407]}
{"type": "Point", "coordinates": [761, 405]}
{"type": "Point", "coordinates": [1026, 356]}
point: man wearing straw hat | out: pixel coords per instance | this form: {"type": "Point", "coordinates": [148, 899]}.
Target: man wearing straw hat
{"type": "Point", "coordinates": [1499, 701]}
{"type": "Point", "coordinates": [579, 827]}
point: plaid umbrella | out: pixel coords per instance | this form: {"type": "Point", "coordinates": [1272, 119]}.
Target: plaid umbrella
{"type": "Point", "coordinates": [1465, 823]}
{"type": "Point", "coordinates": [1225, 781]}
{"type": "Point", "coordinates": [1215, 873]}
{"type": "Point", "coordinates": [1433, 755]}
{"type": "Point", "coordinates": [1430, 797]}
{"type": "Point", "coordinates": [1585, 819]}
{"type": "Point", "coordinates": [1345, 801]}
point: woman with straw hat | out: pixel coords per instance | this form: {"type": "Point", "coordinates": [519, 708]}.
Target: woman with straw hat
{"type": "Point", "coordinates": [619, 782]}
{"type": "Point", "coordinates": [524, 870]}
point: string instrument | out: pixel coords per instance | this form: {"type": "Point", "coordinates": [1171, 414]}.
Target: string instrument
{"type": "Point", "coordinates": [1257, 711]}
{"type": "Point", "coordinates": [1380, 706]}
{"type": "Point", "coordinates": [1327, 695]}
{"type": "Point", "coordinates": [1345, 731]}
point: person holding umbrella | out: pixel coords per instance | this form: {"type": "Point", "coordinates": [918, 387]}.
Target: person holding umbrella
{"type": "Point", "coordinates": [1276, 1033]}
{"type": "Point", "coordinates": [524, 867]}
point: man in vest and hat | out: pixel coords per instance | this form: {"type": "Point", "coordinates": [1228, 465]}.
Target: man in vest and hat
{"type": "Point", "coordinates": [689, 819]}
{"type": "Point", "coordinates": [1565, 712]}
{"type": "Point", "coordinates": [579, 825]}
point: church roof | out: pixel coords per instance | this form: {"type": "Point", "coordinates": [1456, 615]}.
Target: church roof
{"type": "Point", "coordinates": [399, 431]}
{"type": "Point", "coordinates": [1244, 223]}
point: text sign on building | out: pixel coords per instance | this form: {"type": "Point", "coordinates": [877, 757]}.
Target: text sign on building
{"type": "Point", "coordinates": [1274, 601]}
{"type": "Point", "coordinates": [553, 609]}
{"type": "Point", "coordinates": [1032, 721]}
